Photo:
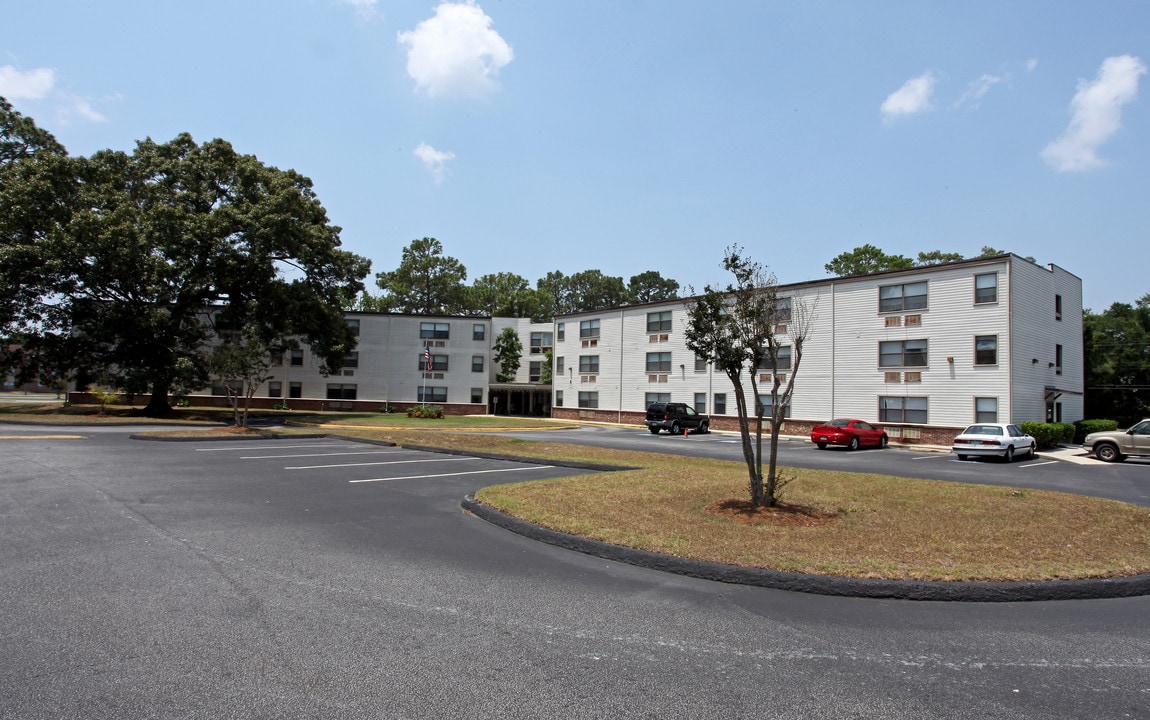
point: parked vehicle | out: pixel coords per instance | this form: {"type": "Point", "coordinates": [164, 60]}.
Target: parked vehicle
{"type": "Point", "coordinates": [994, 440]}
{"type": "Point", "coordinates": [675, 418]}
{"type": "Point", "coordinates": [848, 432]}
{"type": "Point", "coordinates": [1115, 445]}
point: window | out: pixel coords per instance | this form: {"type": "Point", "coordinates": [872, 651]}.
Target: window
{"type": "Point", "coordinates": [783, 311]}
{"type": "Point", "coordinates": [353, 325]}
{"type": "Point", "coordinates": [1057, 307]}
{"type": "Point", "coordinates": [438, 363]}
{"type": "Point", "coordinates": [534, 371]}
{"type": "Point", "coordinates": [478, 331]}
{"type": "Point", "coordinates": [476, 363]}
{"type": "Point", "coordinates": [338, 391]}
{"type": "Point", "coordinates": [588, 399]}
{"type": "Point", "coordinates": [295, 390]}
{"type": "Point", "coordinates": [559, 365]}
{"type": "Point", "coordinates": [986, 350]}
{"type": "Point", "coordinates": [986, 288]}
{"type": "Point", "coordinates": [720, 403]}
{"type": "Point", "coordinates": [540, 342]}
{"type": "Point", "coordinates": [902, 353]}
{"type": "Point", "coordinates": [659, 321]}
{"type": "Point", "coordinates": [985, 410]}
{"type": "Point", "coordinates": [658, 362]}
{"type": "Point", "coordinates": [430, 394]}
{"type": "Point", "coordinates": [275, 388]}
{"type": "Point", "coordinates": [589, 329]}
{"type": "Point", "coordinates": [768, 406]}
{"type": "Point", "coordinates": [1057, 359]}
{"type": "Point", "coordinates": [434, 331]}
{"type": "Point", "coordinates": [902, 410]}
{"type": "Point", "coordinates": [477, 396]}
{"type": "Point", "coordinates": [558, 398]}
{"type": "Point", "coordinates": [297, 357]}
{"type": "Point", "coordinates": [650, 399]}
{"type": "Point", "coordinates": [784, 360]}
{"type": "Point", "coordinates": [700, 364]}
{"type": "Point", "coordinates": [561, 331]}
{"type": "Point", "coordinates": [588, 364]}
{"type": "Point", "coordinates": [701, 402]}
{"type": "Point", "coordinates": [351, 360]}
{"type": "Point", "coordinates": [276, 358]}
{"type": "Point", "coordinates": [895, 298]}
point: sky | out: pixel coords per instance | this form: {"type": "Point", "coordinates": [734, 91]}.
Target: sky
{"type": "Point", "coordinates": [635, 135]}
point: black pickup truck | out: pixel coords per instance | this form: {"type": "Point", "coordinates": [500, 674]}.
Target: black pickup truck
{"type": "Point", "coordinates": [675, 418]}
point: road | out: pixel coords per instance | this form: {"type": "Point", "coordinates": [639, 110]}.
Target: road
{"type": "Point", "coordinates": [295, 580]}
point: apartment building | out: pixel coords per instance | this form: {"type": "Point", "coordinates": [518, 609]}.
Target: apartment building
{"type": "Point", "coordinates": [923, 352]}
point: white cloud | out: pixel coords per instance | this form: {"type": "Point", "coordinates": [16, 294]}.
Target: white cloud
{"type": "Point", "coordinates": [30, 85]}
{"type": "Point", "coordinates": [434, 160]}
{"type": "Point", "coordinates": [365, 9]}
{"type": "Point", "coordinates": [1031, 64]}
{"type": "Point", "coordinates": [976, 90]}
{"type": "Point", "coordinates": [1097, 114]}
{"type": "Point", "coordinates": [910, 99]}
{"type": "Point", "coordinates": [456, 53]}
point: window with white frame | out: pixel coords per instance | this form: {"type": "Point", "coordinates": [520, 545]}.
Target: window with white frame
{"type": "Point", "coordinates": [438, 363]}
{"type": "Point", "coordinates": [768, 406]}
{"type": "Point", "coordinates": [902, 353]}
{"type": "Point", "coordinates": [295, 390]}
{"type": "Point", "coordinates": [275, 389]}
{"type": "Point", "coordinates": [783, 310]}
{"type": "Point", "coordinates": [985, 288]}
{"type": "Point", "coordinates": [540, 342]}
{"type": "Point", "coordinates": [434, 331]}
{"type": "Point", "coordinates": [558, 398]}
{"type": "Point", "coordinates": [701, 402]}
{"type": "Point", "coordinates": [659, 321]}
{"type": "Point", "coordinates": [559, 365]}
{"type": "Point", "coordinates": [560, 331]}
{"type": "Point", "coordinates": [986, 409]}
{"type": "Point", "coordinates": [476, 395]}
{"type": "Point", "coordinates": [894, 409]}
{"type": "Point", "coordinates": [478, 331]}
{"type": "Point", "coordinates": [534, 371]}
{"type": "Point", "coordinates": [658, 362]}
{"type": "Point", "coordinates": [353, 324]}
{"type": "Point", "coordinates": [897, 298]}
{"type": "Point", "coordinates": [701, 364]}
{"type": "Point", "coordinates": [351, 360]}
{"type": "Point", "coordinates": [784, 360]}
{"type": "Point", "coordinates": [986, 350]}
{"type": "Point", "coordinates": [477, 363]}
{"type": "Point", "coordinates": [297, 357]}
{"type": "Point", "coordinates": [341, 391]}
{"type": "Point", "coordinates": [720, 403]}
{"type": "Point", "coordinates": [588, 364]}
{"type": "Point", "coordinates": [589, 329]}
{"type": "Point", "coordinates": [651, 398]}
{"type": "Point", "coordinates": [588, 399]}
{"type": "Point", "coordinates": [431, 394]}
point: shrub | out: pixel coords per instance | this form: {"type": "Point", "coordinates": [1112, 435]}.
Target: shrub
{"type": "Point", "coordinates": [1048, 434]}
{"type": "Point", "coordinates": [425, 411]}
{"type": "Point", "coordinates": [387, 409]}
{"type": "Point", "coordinates": [1085, 427]}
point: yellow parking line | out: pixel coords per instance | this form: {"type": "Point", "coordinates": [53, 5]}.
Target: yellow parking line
{"type": "Point", "coordinates": [42, 437]}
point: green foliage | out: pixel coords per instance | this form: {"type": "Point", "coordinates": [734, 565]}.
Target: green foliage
{"type": "Point", "coordinates": [113, 261]}
{"type": "Point", "coordinates": [650, 286]}
{"type": "Point", "coordinates": [1082, 428]}
{"type": "Point", "coordinates": [937, 257]}
{"type": "Point", "coordinates": [1048, 434]}
{"type": "Point", "coordinates": [503, 294]}
{"type": "Point", "coordinates": [1116, 345]}
{"type": "Point", "coordinates": [545, 373]}
{"type": "Point", "coordinates": [427, 282]}
{"type": "Point", "coordinates": [431, 412]}
{"type": "Point", "coordinates": [583, 291]}
{"type": "Point", "coordinates": [866, 259]}
{"type": "Point", "coordinates": [106, 396]}
{"type": "Point", "coordinates": [508, 354]}
{"type": "Point", "coordinates": [387, 409]}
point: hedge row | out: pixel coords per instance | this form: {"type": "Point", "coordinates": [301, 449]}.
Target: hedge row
{"type": "Point", "coordinates": [1049, 434]}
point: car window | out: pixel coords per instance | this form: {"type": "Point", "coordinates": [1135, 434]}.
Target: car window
{"type": "Point", "coordinates": [1015, 431]}
{"type": "Point", "coordinates": [690, 411]}
{"type": "Point", "coordinates": [839, 423]}
{"type": "Point", "coordinates": [983, 430]}
{"type": "Point", "coordinates": [863, 426]}
{"type": "Point", "coordinates": [1142, 428]}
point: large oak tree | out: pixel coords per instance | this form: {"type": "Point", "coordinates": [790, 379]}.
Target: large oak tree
{"type": "Point", "coordinates": [120, 264]}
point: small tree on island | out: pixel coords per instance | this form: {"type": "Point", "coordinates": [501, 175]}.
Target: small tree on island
{"type": "Point", "coordinates": [739, 329]}
{"type": "Point", "coordinates": [240, 364]}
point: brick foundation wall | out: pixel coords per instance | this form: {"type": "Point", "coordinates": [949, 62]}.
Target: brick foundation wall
{"type": "Point", "coordinates": [304, 404]}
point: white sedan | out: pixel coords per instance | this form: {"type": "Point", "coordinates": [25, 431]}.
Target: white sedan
{"type": "Point", "coordinates": [995, 440]}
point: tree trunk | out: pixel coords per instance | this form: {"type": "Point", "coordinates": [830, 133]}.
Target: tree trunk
{"type": "Point", "coordinates": [158, 405]}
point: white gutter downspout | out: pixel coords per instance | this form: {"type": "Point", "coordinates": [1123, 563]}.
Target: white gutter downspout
{"type": "Point", "coordinates": [619, 404]}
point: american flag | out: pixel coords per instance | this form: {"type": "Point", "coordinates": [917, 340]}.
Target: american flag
{"type": "Point", "coordinates": [427, 358]}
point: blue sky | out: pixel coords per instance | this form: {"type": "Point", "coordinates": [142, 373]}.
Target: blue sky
{"type": "Point", "coordinates": [634, 135]}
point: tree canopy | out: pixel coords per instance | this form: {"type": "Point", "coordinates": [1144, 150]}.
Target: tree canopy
{"type": "Point", "coordinates": [651, 286]}
{"type": "Point", "coordinates": [866, 259]}
{"type": "Point", "coordinates": [127, 265]}
{"type": "Point", "coordinates": [427, 282]}
{"type": "Point", "coordinates": [1117, 349]}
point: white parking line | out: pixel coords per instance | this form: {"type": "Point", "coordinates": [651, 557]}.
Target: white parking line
{"type": "Point", "coordinates": [928, 457]}
{"type": "Point", "coordinates": [367, 452]}
{"type": "Point", "coordinates": [472, 472]}
{"type": "Point", "coordinates": [384, 462]}
{"type": "Point", "coordinates": [273, 447]}
{"type": "Point", "coordinates": [1033, 464]}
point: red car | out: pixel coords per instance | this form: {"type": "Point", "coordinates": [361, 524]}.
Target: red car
{"type": "Point", "coordinates": [849, 432]}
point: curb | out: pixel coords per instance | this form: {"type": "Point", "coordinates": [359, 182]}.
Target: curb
{"type": "Point", "coordinates": [959, 591]}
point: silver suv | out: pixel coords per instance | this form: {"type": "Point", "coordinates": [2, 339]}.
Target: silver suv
{"type": "Point", "coordinates": [1115, 445]}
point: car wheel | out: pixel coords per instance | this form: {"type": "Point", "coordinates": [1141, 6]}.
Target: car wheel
{"type": "Point", "coordinates": [882, 441]}
{"type": "Point", "coordinates": [654, 430]}
{"type": "Point", "coordinates": [675, 429]}
{"type": "Point", "coordinates": [704, 428]}
{"type": "Point", "coordinates": [1107, 452]}
{"type": "Point", "coordinates": [1009, 455]}
{"type": "Point", "coordinates": [963, 457]}
{"type": "Point", "coordinates": [821, 446]}
{"type": "Point", "coordinates": [1033, 452]}
{"type": "Point", "coordinates": [854, 444]}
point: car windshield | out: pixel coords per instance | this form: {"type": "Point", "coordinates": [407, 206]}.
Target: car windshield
{"type": "Point", "coordinates": [983, 430]}
{"type": "Point", "coordinates": [839, 422]}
